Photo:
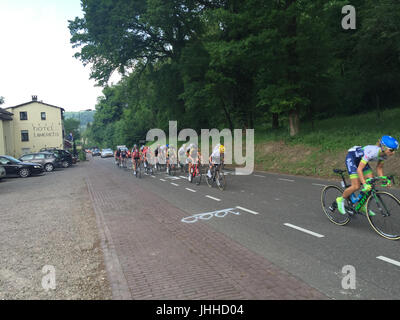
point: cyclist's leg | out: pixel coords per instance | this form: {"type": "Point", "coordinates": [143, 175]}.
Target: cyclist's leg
{"type": "Point", "coordinates": [367, 175]}
{"type": "Point", "coordinates": [351, 165]}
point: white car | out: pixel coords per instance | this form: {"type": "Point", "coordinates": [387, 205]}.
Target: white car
{"type": "Point", "coordinates": [2, 172]}
{"type": "Point", "coordinates": [107, 153]}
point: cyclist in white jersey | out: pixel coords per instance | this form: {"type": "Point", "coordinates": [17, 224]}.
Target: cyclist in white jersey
{"type": "Point", "coordinates": [357, 163]}
{"type": "Point", "coordinates": [216, 157]}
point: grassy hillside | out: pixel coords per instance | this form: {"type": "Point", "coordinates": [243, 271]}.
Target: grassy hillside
{"type": "Point", "coordinates": [316, 152]}
{"type": "Point", "coordinates": [83, 116]}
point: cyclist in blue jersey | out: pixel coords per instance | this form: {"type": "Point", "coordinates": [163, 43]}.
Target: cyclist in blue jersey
{"type": "Point", "coordinates": [357, 163]}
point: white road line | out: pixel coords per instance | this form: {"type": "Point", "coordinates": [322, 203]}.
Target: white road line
{"type": "Point", "coordinates": [244, 209]}
{"type": "Point", "coordinates": [286, 180]}
{"type": "Point", "coordinates": [257, 175]}
{"type": "Point", "coordinates": [304, 230]}
{"type": "Point", "coordinates": [153, 176]}
{"type": "Point", "coordinates": [317, 184]}
{"type": "Point", "coordinates": [190, 190]}
{"type": "Point", "coordinates": [183, 177]}
{"type": "Point", "coordinates": [216, 199]}
{"type": "Point", "coordinates": [174, 184]}
{"type": "Point", "coordinates": [163, 180]}
{"type": "Point", "coordinates": [396, 263]}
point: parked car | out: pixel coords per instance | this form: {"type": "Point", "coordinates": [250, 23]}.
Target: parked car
{"type": "Point", "coordinates": [48, 160]}
{"type": "Point", "coordinates": [3, 173]}
{"type": "Point", "coordinates": [96, 152]}
{"type": "Point", "coordinates": [107, 153]}
{"type": "Point", "coordinates": [64, 156]}
{"type": "Point", "coordinates": [22, 169]}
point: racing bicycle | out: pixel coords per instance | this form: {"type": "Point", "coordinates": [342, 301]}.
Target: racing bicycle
{"type": "Point", "coordinates": [217, 177]}
{"type": "Point", "coordinates": [195, 173]}
{"type": "Point", "coordinates": [139, 168]}
{"type": "Point", "coordinates": [383, 208]}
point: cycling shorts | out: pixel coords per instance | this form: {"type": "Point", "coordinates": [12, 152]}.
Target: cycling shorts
{"type": "Point", "coordinates": [352, 163]}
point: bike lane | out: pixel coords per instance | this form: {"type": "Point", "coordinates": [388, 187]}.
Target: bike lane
{"type": "Point", "coordinates": [151, 254]}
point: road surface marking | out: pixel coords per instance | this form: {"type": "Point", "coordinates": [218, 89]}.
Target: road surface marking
{"type": "Point", "coordinates": [396, 263]}
{"type": "Point", "coordinates": [304, 230]}
{"type": "Point", "coordinates": [153, 176]}
{"type": "Point", "coordinates": [244, 209]}
{"type": "Point", "coordinates": [286, 180]}
{"type": "Point", "coordinates": [216, 199]}
{"type": "Point", "coordinates": [257, 175]}
{"type": "Point", "coordinates": [190, 190]}
{"type": "Point", "coordinates": [174, 184]}
{"type": "Point", "coordinates": [172, 178]}
{"type": "Point", "coordinates": [317, 184]}
{"type": "Point", "coordinates": [163, 180]}
{"type": "Point", "coordinates": [183, 177]}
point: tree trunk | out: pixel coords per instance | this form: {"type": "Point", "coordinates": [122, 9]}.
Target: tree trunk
{"type": "Point", "coordinates": [227, 115]}
{"type": "Point", "coordinates": [294, 122]}
{"type": "Point", "coordinates": [293, 76]}
{"type": "Point", "coordinates": [275, 120]}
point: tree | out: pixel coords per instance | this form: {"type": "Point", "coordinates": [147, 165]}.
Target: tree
{"type": "Point", "coordinates": [72, 126]}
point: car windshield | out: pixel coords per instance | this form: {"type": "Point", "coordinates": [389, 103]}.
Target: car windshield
{"type": "Point", "coordinates": [12, 159]}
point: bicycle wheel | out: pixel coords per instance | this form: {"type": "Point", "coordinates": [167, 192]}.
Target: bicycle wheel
{"type": "Point", "coordinates": [197, 176]}
{"type": "Point", "coordinates": [208, 179]}
{"type": "Point", "coordinates": [328, 202]}
{"type": "Point", "coordinates": [220, 180]}
{"type": "Point", "coordinates": [136, 169]}
{"type": "Point", "coordinates": [384, 214]}
{"type": "Point", "coordinates": [140, 170]}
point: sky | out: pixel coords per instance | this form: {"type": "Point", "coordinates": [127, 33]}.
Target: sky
{"type": "Point", "coordinates": [36, 57]}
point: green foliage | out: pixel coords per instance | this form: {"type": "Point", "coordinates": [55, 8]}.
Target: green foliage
{"type": "Point", "coordinates": [81, 155]}
{"type": "Point", "coordinates": [237, 64]}
{"type": "Point", "coordinates": [84, 117]}
{"type": "Point", "coordinates": [72, 126]}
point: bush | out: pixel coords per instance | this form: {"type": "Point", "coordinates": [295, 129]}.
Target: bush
{"type": "Point", "coordinates": [82, 155]}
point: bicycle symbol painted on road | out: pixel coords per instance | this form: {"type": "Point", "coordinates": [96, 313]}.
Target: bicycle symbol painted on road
{"type": "Point", "coordinates": [209, 215]}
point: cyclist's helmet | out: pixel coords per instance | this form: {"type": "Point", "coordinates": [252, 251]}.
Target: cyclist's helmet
{"type": "Point", "coordinates": [221, 149]}
{"type": "Point", "coordinates": [135, 146]}
{"type": "Point", "coordinates": [141, 148]}
{"type": "Point", "coordinates": [389, 142]}
{"type": "Point", "coordinates": [167, 145]}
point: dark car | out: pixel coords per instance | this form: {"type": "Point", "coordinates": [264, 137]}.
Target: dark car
{"type": "Point", "coordinates": [96, 152]}
{"type": "Point", "coordinates": [64, 156]}
{"type": "Point", "coordinates": [3, 173]}
{"type": "Point", "coordinates": [48, 160]}
{"type": "Point", "coordinates": [22, 169]}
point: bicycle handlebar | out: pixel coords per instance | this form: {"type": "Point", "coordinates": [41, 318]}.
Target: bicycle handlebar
{"type": "Point", "coordinates": [386, 180]}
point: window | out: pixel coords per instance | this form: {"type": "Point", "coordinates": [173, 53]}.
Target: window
{"type": "Point", "coordinates": [43, 115]}
{"type": "Point", "coordinates": [24, 135]}
{"type": "Point", "coordinates": [27, 157]}
{"type": "Point", "coordinates": [4, 160]}
{"type": "Point", "coordinates": [23, 115]}
{"type": "Point", "coordinates": [39, 156]}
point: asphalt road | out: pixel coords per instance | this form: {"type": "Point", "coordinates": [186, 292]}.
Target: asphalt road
{"type": "Point", "coordinates": [280, 218]}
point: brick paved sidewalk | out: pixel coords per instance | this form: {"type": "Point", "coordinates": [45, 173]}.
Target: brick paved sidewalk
{"type": "Point", "coordinates": [151, 254]}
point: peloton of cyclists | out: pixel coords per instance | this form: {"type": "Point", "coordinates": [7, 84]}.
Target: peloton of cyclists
{"type": "Point", "coordinates": [167, 154]}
